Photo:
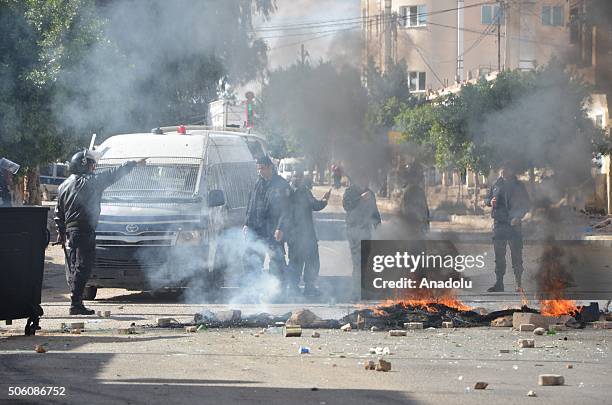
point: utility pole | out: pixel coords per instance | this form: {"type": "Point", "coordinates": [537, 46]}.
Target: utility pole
{"type": "Point", "coordinates": [460, 44]}
{"type": "Point", "coordinates": [498, 17]}
{"type": "Point", "coordinates": [388, 21]}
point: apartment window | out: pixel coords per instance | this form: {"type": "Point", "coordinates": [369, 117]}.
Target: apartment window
{"type": "Point", "coordinates": [416, 81]}
{"type": "Point", "coordinates": [552, 15]}
{"type": "Point", "coordinates": [490, 13]}
{"type": "Point", "coordinates": [413, 16]}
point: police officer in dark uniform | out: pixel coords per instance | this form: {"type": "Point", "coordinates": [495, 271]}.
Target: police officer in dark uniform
{"type": "Point", "coordinates": [267, 222]}
{"type": "Point", "coordinates": [362, 216]}
{"type": "Point", "coordinates": [510, 202]}
{"type": "Point", "coordinates": [302, 243]}
{"type": "Point", "coordinates": [76, 216]}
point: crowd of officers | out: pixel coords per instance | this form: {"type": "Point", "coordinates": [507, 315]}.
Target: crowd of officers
{"type": "Point", "coordinates": [280, 213]}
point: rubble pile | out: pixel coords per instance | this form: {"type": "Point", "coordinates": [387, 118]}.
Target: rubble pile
{"type": "Point", "coordinates": [400, 316]}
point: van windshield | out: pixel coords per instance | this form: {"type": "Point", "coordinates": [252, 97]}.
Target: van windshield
{"type": "Point", "coordinates": [155, 182]}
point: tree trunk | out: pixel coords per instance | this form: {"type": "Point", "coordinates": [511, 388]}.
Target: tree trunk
{"type": "Point", "coordinates": [32, 195]}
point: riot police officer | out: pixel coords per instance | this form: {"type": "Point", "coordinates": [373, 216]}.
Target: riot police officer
{"type": "Point", "coordinates": [510, 202]}
{"type": "Point", "coordinates": [362, 216]}
{"type": "Point", "coordinates": [302, 243]}
{"type": "Point", "coordinates": [76, 216]}
{"type": "Point", "coordinates": [267, 222]}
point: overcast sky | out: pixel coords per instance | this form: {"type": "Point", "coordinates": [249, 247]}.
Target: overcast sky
{"type": "Point", "coordinates": [285, 47]}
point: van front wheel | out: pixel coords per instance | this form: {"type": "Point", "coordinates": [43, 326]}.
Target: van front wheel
{"type": "Point", "coordinates": [90, 293]}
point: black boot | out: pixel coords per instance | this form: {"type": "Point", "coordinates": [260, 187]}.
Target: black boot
{"type": "Point", "coordinates": [77, 308]}
{"type": "Point", "coordinates": [498, 286]}
{"type": "Point", "coordinates": [519, 284]}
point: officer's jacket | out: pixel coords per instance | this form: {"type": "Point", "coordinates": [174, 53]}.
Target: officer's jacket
{"type": "Point", "coordinates": [303, 203]}
{"type": "Point", "coordinates": [79, 196]}
{"type": "Point", "coordinates": [512, 201]}
{"type": "Point", "coordinates": [361, 214]}
{"type": "Point", "coordinates": [268, 207]}
{"type": "Point", "coordinates": [413, 208]}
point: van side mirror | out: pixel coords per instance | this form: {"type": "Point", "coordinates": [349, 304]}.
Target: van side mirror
{"type": "Point", "coordinates": [216, 198]}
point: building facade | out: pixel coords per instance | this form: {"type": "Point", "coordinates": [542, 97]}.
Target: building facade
{"type": "Point", "coordinates": [450, 41]}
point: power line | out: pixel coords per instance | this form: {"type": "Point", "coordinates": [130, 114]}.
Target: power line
{"type": "Point", "coordinates": [354, 20]}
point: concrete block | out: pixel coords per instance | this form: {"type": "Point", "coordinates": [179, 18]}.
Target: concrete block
{"type": "Point", "coordinates": [557, 328]}
{"type": "Point", "coordinates": [447, 324]}
{"type": "Point", "coordinates": [40, 349]}
{"type": "Point", "coordinates": [481, 385]}
{"type": "Point", "coordinates": [413, 325]}
{"type": "Point", "coordinates": [398, 332]}
{"type": "Point", "coordinates": [527, 327]}
{"type": "Point", "coordinates": [539, 331]}
{"type": "Point", "coordinates": [540, 321]}
{"type": "Point", "coordinates": [191, 329]}
{"type": "Point", "coordinates": [315, 334]}
{"type": "Point", "coordinates": [346, 328]}
{"type": "Point", "coordinates": [550, 379]}
{"type": "Point", "coordinates": [383, 365]}
{"type": "Point", "coordinates": [77, 325]}
{"type": "Point", "coordinates": [502, 322]}
{"type": "Point", "coordinates": [370, 365]}
{"type": "Point", "coordinates": [526, 343]}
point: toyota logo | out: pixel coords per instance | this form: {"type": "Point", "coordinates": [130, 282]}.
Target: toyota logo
{"type": "Point", "coordinates": [131, 228]}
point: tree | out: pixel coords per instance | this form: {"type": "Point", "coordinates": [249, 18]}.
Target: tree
{"type": "Point", "coordinates": [535, 119]}
{"type": "Point", "coordinates": [314, 111]}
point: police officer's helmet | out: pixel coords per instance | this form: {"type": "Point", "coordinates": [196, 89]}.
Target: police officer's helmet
{"type": "Point", "coordinates": [79, 164]}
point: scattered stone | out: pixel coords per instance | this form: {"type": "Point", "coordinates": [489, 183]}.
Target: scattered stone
{"type": "Point", "coordinates": [374, 329]}
{"type": "Point", "coordinates": [532, 393]}
{"type": "Point", "coordinates": [383, 365]}
{"type": "Point", "coordinates": [602, 325]}
{"type": "Point", "coordinates": [77, 325]}
{"type": "Point", "coordinates": [346, 328]}
{"type": "Point", "coordinates": [99, 313]}
{"type": "Point", "coordinates": [126, 331]}
{"type": "Point", "coordinates": [121, 307]}
{"type": "Point", "coordinates": [75, 331]}
{"type": "Point", "coordinates": [540, 321]}
{"type": "Point", "coordinates": [539, 331]}
{"type": "Point", "coordinates": [398, 332]}
{"type": "Point", "coordinates": [107, 314]}
{"type": "Point", "coordinates": [303, 317]}
{"type": "Point", "coordinates": [255, 334]}
{"type": "Point", "coordinates": [550, 380]}
{"type": "Point", "coordinates": [191, 329]}
{"type": "Point", "coordinates": [557, 328]}
{"type": "Point", "coordinates": [293, 331]}
{"type": "Point", "coordinates": [386, 351]}
{"type": "Point", "coordinates": [164, 322]}
{"type": "Point", "coordinates": [40, 349]}
{"type": "Point", "coordinates": [481, 385]}
{"type": "Point", "coordinates": [447, 324]}
{"type": "Point", "coordinates": [370, 365]}
{"type": "Point", "coordinates": [413, 325]}
{"type": "Point", "coordinates": [526, 343]}
{"type": "Point", "coordinates": [569, 366]}
{"type": "Point", "coordinates": [502, 322]}
{"type": "Point", "coordinates": [527, 327]}
{"type": "Point", "coordinates": [232, 315]}
{"type": "Point", "coordinates": [315, 334]}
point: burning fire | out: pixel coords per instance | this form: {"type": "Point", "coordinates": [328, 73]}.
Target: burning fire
{"type": "Point", "coordinates": [558, 307]}
{"type": "Point", "coordinates": [425, 299]}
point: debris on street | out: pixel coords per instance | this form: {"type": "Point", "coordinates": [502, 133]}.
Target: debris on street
{"type": "Point", "coordinates": [40, 349]}
{"type": "Point", "coordinates": [481, 385]}
{"type": "Point", "coordinates": [550, 379]}
{"type": "Point", "coordinates": [383, 365]}
{"type": "Point", "coordinates": [526, 343]}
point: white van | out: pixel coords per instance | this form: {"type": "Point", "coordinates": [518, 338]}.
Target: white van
{"type": "Point", "coordinates": [163, 218]}
{"type": "Point", "coordinates": [51, 176]}
{"type": "Point", "coordinates": [287, 166]}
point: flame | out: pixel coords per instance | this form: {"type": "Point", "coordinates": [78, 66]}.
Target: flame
{"type": "Point", "coordinates": [424, 299]}
{"type": "Point", "coordinates": [558, 307]}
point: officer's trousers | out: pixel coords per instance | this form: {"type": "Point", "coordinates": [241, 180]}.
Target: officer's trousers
{"type": "Point", "coordinates": [516, 254]}
{"type": "Point", "coordinates": [306, 260]}
{"type": "Point", "coordinates": [82, 245]}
